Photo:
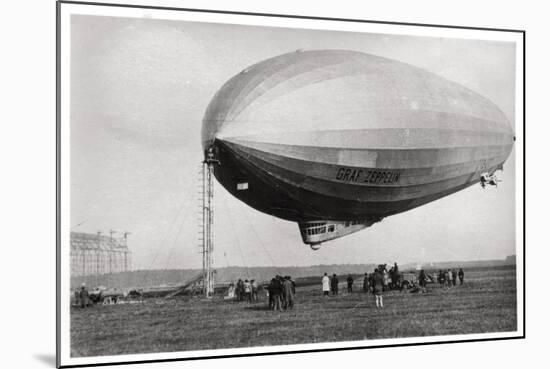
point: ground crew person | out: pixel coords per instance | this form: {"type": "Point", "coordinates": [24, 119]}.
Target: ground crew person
{"type": "Point", "coordinates": [240, 289]}
{"type": "Point", "coordinates": [378, 287]}
{"type": "Point", "coordinates": [422, 281]}
{"type": "Point", "coordinates": [454, 277]}
{"type": "Point", "coordinates": [288, 293]}
{"type": "Point", "coordinates": [371, 282]}
{"type": "Point", "coordinates": [84, 296]}
{"type": "Point", "coordinates": [254, 290]}
{"type": "Point", "coordinates": [271, 293]}
{"type": "Point", "coordinates": [247, 291]}
{"type": "Point", "coordinates": [392, 279]}
{"type": "Point", "coordinates": [461, 276]}
{"type": "Point", "coordinates": [395, 279]}
{"type": "Point", "coordinates": [441, 277]}
{"type": "Point", "coordinates": [281, 281]}
{"type": "Point", "coordinates": [77, 297]}
{"type": "Point", "coordinates": [350, 284]}
{"type": "Point", "coordinates": [334, 284]}
{"type": "Point", "coordinates": [326, 284]}
{"type": "Point", "coordinates": [366, 283]}
{"type": "Point", "coordinates": [277, 289]}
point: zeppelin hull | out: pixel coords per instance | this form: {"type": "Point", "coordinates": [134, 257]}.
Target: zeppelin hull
{"type": "Point", "coordinates": [306, 191]}
{"type": "Point", "coordinates": [339, 135]}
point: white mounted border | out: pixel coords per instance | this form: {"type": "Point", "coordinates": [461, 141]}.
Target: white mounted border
{"type": "Point", "coordinates": [66, 9]}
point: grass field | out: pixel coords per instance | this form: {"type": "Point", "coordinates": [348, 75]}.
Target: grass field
{"type": "Point", "coordinates": [485, 303]}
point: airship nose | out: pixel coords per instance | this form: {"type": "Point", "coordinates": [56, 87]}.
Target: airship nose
{"type": "Point", "coordinates": [210, 129]}
{"type": "Point", "coordinates": [216, 117]}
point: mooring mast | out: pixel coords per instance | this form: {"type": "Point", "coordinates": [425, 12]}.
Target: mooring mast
{"type": "Point", "coordinates": [207, 223]}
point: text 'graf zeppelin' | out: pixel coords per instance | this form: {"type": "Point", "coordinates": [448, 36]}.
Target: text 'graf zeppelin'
{"type": "Point", "coordinates": [367, 176]}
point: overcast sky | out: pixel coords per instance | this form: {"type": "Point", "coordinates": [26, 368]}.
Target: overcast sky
{"type": "Point", "coordinates": [139, 89]}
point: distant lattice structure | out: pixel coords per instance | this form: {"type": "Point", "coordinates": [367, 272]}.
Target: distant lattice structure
{"type": "Point", "coordinates": [94, 254]}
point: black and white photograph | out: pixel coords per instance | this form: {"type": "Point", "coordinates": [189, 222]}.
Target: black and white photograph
{"type": "Point", "coordinates": [236, 184]}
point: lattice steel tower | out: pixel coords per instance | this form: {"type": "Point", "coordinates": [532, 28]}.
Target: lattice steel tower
{"type": "Point", "coordinates": [208, 222]}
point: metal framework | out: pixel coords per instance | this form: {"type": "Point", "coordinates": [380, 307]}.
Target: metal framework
{"type": "Point", "coordinates": [94, 254]}
{"type": "Point", "coordinates": [207, 224]}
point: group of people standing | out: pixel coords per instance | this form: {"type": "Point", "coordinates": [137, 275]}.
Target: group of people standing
{"type": "Point", "coordinates": [330, 284]}
{"type": "Point", "coordinates": [82, 297]}
{"type": "Point", "coordinates": [448, 278]}
{"type": "Point", "coordinates": [382, 279]}
{"type": "Point", "coordinates": [281, 292]}
{"type": "Point", "coordinates": [246, 290]}
{"type": "Point", "coordinates": [373, 282]}
{"type": "Point", "coordinates": [391, 279]}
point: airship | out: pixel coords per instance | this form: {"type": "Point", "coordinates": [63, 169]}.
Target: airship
{"type": "Point", "coordinates": [337, 140]}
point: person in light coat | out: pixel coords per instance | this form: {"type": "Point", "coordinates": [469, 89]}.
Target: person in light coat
{"type": "Point", "coordinates": [326, 284]}
{"type": "Point", "coordinates": [449, 278]}
{"type": "Point", "coordinates": [247, 291]}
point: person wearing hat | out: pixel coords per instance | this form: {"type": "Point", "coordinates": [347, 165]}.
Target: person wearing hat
{"type": "Point", "coordinates": [350, 283]}
{"type": "Point", "coordinates": [84, 296]}
{"type": "Point", "coordinates": [334, 284]}
{"type": "Point", "coordinates": [277, 291]}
